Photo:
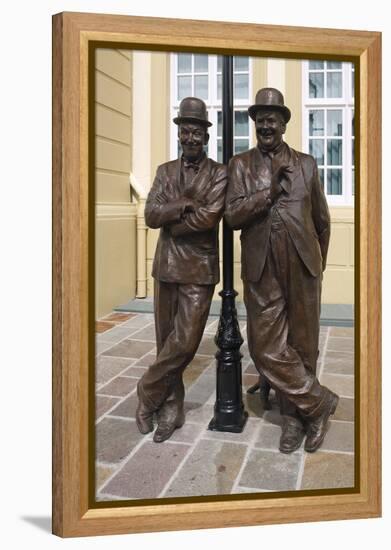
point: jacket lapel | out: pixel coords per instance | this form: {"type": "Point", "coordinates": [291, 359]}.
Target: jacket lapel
{"type": "Point", "coordinates": [296, 176]}
{"type": "Point", "coordinates": [255, 168]}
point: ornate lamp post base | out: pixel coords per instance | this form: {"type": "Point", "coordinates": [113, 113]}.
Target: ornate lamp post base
{"type": "Point", "coordinates": [229, 413]}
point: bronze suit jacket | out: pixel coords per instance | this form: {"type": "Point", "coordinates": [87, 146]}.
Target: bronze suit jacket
{"type": "Point", "coordinates": [303, 210]}
{"type": "Point", "coordinates": [192, 255]}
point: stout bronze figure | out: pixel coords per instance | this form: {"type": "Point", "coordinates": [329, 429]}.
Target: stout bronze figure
{"type": "Point", "coordinates": [186, 202]}
{"type": "Point", "coordinates": [275, 198]}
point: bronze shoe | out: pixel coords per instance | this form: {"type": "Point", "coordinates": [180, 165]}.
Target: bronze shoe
{"type": "Point", "coordinates": [317, 427]}
{"type": "Point", "coordinates": [292, 435]}
{"type": "Point", "coordinates": [144, 416]}
{"type": "Point", "coordinates": [166, 427]}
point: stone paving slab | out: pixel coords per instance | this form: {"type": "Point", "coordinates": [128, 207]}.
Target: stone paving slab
{"type": "Point", "coordinates": [118, 317]}
{"type": "Point", "coordinates": [188, 433]}
{"type": "Point", "coordinates": [148, 471]}
{"type": "Point", "coordinates": [103, 473]}
{"type": "Point", "coordinates": [328, 470]}
{"type": "Point", "coordinates": [115, 335]}
{"type": "Point", "coordinates": [338, 362]}
{"type": "Point", "coordinates": [102, 326]}
{"type": "Point", "coordinates": [340, 437]}
{"type": "Point", "coordinates": [119, 386]}
{"type": "Point", "coordinates": [104, 404]}
{"type": "Point", "coordinates": [197, 367]}
{"type": "Point", "coordinates": [146, 333]}
{"type": "Point", "coordinates": [139, 321]}
{"type": "Point", "coordinates": [197, 461]}
{"type": "Point", "coordinates": [198, 412]}
{"type": "Point", "coordinates": [342, 385]}
{"type": "Point", "coordinates": [115, 438]}
{"type": "Point", "coordinates": [342, 332]}
{"type": "Point", "coordinates": [146, 360]}
{"type": "Point", "coordinates": [210, 469]}
{"type": "Point", "coordinates": [268, 437]}
{"type": "Point", "coordinates": [345, 410]}
{"type": "Point", "coordinates": [130, 348]}
{"type": "Point", "coordinates": [127, 407]}
{"type": "Point", "coordinates": [340, 344]}
{"type": "Point", "coordinates": [135, 371]}
{"type": "Point", "coordinates": [204, 386]}
{"type": "Point", "coordinates": [271, 470]}
{"type": "Point", "coordinates": [109, 367]}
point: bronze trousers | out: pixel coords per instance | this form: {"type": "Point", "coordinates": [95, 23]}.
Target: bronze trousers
{"type": "Point", "coordinates": [181, 312]}
{"type": "Point", "coordinates": [283, 310]}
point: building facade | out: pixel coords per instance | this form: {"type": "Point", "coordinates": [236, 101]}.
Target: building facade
{"type": "Point", "coordinates": [137, 96]}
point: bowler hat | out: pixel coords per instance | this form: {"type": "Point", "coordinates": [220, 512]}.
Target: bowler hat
{"type": "Point", "coordinates": [269, 98]}
{"type": "Point", "coordinates": [192, 109]}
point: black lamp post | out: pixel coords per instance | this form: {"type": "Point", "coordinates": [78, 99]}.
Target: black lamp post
{"type": "Point", "coordinates": [229, 413]}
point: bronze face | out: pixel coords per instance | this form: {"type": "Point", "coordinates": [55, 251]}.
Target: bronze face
{"type": "Point", "coordinates": [270, 127]}
{"type": "Point", "coordinates": [192, 137]}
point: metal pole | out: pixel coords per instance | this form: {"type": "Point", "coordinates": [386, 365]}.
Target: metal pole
{"type": "Point", "coordinates": [229, 413]}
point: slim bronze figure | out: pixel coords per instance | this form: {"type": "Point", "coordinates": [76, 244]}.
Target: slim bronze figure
{"type": "Point", "coordinates": [274, 196]}
{"type": "Point", "coordinates": [186, 202]}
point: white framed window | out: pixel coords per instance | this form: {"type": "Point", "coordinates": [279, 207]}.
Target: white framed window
{"type": "Point", "coordinates": [328, 126]}
{"type": "Point", "coordinates": [200, 75]}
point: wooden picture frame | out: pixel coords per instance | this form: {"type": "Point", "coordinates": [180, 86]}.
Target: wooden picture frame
{"type": "Point", "coordinates": [73, 34]}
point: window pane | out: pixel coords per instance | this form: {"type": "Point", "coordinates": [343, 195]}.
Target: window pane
{"type": "Point", "coordinates": [200, 63]}
{"type": "Point", "coordinates": [353, 132]}
{"type": "Point", "coordinates": [352, 80]}
{"type": "Point", "coordinates": [334, 181]}
{"type": "Point", "coordinates": [219, 86]}
{"type": "Point", "coordinates": [184, 87]}
{"type": "Point", "coordinates": [219, 63]}
{"type": "Point", "coordinates": [219, 150]}
{"type": "Point", "coordinates": [316, 84]}
{"type": "Point", "coordinates": [316, 122]}
{"type": "Point", "coordinates": [317, 150]}
{"type": "Point", "coordinates": [334, 152]}
{"type": "Point", "coordinates": [316, 65]}
{"type": "Point", "coordinates": [201, 87]}
{"type": "Point", "coordinates": [240, 63]}
{"type": "Point", "coordinates": [334, 65]}
{"type": "Point", "coordinates": [184, 62]}
{"type": "Point", "coordinates": [334, 122]}
{"type": "Point", "coordinates": [353, 151]}
{"type": "Point", "coordinates": [219, 123]}
{"type": "Point", "coordinates": [241, 123]}
{"type": "Point", "coordinates": [240, 145]}
{"type": "Point", "coordinates": [334, 84]}
{"type": "Point", "coordinates": [241, 86]}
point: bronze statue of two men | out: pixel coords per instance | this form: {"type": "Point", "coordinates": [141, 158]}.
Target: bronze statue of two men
{"type": "Point", "coordinates": [273, 195]}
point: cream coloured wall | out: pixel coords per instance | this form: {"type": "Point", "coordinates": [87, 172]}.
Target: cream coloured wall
{"type": "Point", "coordinates": [115, 227]}
{"type": "Point", "coordinates": [338, 281]}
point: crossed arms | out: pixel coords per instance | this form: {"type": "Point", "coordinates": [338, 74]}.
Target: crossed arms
{"type": "Point", "coordinates": [183, 215]}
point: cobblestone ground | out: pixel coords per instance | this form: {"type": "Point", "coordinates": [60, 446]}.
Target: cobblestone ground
{"type": "Point", "coordinates": [196, 461]}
